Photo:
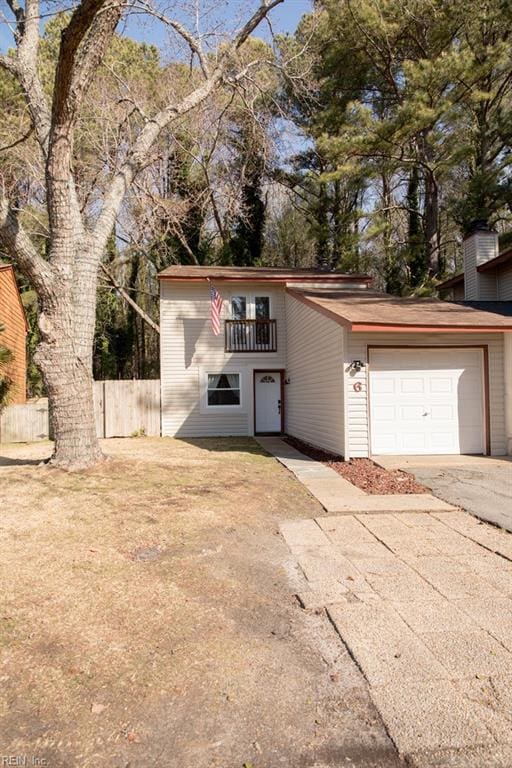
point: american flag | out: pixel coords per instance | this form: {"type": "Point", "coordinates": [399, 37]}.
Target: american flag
{"type": "Point", "coordinates": [215, 309]}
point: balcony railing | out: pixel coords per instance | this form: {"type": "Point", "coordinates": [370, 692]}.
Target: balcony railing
{"type": "Point", "coordinates": [250, 336]}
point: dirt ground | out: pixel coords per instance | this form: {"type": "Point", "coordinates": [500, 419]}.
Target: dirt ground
{"type": "Point", "coordinates": [148, 617]}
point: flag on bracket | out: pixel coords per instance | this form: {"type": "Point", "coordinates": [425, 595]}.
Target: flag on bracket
{"type": "Point", "coordinates": [215, 309]}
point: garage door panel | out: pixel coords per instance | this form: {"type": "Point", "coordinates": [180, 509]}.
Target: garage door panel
{"type": "Point", "coordinates": [426, 401]}
{"type": "Point", "coordinates": [384, 386]}
{"type": "Point", "coordinates": [412, 385]}
{"type": "Point", "coordinates": [385, 413]}
{"type": "Point", "coordinates": [441, 386]}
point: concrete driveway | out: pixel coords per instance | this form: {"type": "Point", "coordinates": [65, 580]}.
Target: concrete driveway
{"type": "Point", "coordinates": [481, 485]}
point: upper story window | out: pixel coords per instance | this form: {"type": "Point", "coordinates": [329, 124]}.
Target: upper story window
{"type": "Point", "coordinates": [262, 307]}
{"type": "Point", "coordinates": [250, 307]}
{"type": "Point", "coordinates": [238, 307]}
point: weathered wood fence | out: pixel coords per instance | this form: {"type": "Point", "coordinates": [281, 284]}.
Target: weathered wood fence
{"type": "Point", "coordinates": [122, 409]}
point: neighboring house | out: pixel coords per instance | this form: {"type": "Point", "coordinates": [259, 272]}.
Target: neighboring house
{"type": "Point", "coordinates": [487, 274]}
{"type": "Point", "coordinates": [13, 318]}
{"type": "Point", "coordinates": [321, 357]}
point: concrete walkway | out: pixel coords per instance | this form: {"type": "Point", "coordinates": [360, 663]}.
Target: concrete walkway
{"type": "Point", "coordinates": [481, 485]}
{"type": "Point", "coordinates": [336, 494]}
{"type": "Point", "coordinates": [423, 603]}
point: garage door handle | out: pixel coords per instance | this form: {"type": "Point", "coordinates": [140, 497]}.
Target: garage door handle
{"type": "Point", "coordinates": [426, 413]}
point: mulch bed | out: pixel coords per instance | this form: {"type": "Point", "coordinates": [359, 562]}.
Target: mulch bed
{"type": "Point", "coordinates": [363, 473]}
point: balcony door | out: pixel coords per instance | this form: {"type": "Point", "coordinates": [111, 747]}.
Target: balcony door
{"type": "Point", "coordinates": [268, 405]}
{"type": "Point", "coordinates": [250, 328]}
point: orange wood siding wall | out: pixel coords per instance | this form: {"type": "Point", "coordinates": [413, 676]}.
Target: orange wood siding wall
{"type": "Point", "coordinates": [12, 317]}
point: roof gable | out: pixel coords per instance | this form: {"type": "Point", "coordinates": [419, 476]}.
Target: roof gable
{"type": "Point", "coordinates": [369, 311]}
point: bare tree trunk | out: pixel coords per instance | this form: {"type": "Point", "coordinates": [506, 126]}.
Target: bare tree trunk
{"type": "Point", "coordinates": [432, 234]}
{"type": "Point", "coordinates": [68, 379]}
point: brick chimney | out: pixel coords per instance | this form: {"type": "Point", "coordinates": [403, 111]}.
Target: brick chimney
{"type": "Point", "coordinates": [480, 245]}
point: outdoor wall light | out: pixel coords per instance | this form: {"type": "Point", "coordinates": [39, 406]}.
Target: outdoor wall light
{"type": "Point", "coordinates": [356, 365]}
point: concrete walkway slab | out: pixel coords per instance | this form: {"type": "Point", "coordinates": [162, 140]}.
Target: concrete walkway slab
{"type": "Point", "coordinates": [383, 645]}
{"type": "Point", "coordinates": [402, 502]}
{"type": "Point", "coordinates": [422, 716]}
{"type": "Point", "coordinates": [430, 632]}
{"type": "Point", "coordinates": [338, 495]}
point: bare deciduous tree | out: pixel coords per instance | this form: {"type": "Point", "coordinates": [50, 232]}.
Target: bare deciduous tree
{"type": "Point", "coordinates": [66, 277]}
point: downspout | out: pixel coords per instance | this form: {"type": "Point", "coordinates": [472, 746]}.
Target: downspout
{"type": "Point", "coordinates": [507, 343]}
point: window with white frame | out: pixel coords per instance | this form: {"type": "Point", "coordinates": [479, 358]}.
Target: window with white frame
{"type": "Point", "coordinates": [262, 307]}
{"type": "Point", "coordinates": [223, 389]}
{"type": "Point", "coordinates": [250, 307]}
{"type": "Point", "coordinates": [239, 307]}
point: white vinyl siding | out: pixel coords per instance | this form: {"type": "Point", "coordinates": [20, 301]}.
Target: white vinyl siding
{"type": "Point", "coordinates": [357, 423]}
{"type": "Point", "coordinates": [478, 249]}
{"type": "Point", "coordinates": [505, 283]}
{"type": "Point", "coordinates": [189, 351]}
{"type": "Point", "coordinates": [314, 410]}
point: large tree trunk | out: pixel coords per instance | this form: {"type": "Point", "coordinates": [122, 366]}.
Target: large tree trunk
{"type": "Point", "coordinates": [65, 357]}
{"type": "Point", "coordinates": [69, 388]}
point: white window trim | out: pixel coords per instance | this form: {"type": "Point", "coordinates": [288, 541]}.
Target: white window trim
{"type": "Point", "coordinates": [203, 385]}
{"type": "Point", "coordinates": [250, 297]}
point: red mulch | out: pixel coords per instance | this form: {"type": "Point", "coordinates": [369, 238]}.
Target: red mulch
{"type": "Point", "coordinates": [363, 473]}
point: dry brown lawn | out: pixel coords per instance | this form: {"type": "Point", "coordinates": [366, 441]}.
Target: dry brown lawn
{"type": "Point", "coordinates": [148, 617]}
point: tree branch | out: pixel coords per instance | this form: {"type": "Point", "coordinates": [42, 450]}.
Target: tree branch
{"type": "Point", "coordinates": [137, 158]}
{"type": "Point", "coordinates": [126, 296]}
{"type": "Point", "coordinates": [21, 249]}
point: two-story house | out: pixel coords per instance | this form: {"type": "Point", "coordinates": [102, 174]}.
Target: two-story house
{"type": "Point", "coordinates": [323, 358]}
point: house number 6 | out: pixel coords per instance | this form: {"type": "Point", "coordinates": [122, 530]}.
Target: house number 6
{"type": "Point", "coordinates": [358, 386]}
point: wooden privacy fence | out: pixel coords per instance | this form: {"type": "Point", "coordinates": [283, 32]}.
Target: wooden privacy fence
{"type": "Point", "coordinates": [121, 408]}
{"type": "Point", "coordinates": [126, 408]}
{"type": "Point", "coordinates": [25, 423]}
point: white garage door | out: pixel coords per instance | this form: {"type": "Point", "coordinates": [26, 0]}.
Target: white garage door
{"type": "Point", "coordinates": [426, 401]}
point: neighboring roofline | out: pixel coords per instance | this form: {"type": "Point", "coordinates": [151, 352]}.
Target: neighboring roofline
{"type": "Point", "coordinates": [451, 282]}
{"type": "Point", "coordinates": [5, 267]}
{"type": "Point", "coordinates": [358, 327]}
{"type": "Point", "coordinates": [503, 258]}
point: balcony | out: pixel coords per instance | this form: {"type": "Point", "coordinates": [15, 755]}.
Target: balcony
{"type": "Point", "coordinates": [250, 336]}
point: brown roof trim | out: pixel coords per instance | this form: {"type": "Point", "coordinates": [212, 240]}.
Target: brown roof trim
{"type": "Point", "coordinates": [257, 279]}
{"type": "Point", "coordinates": [5, 267]}
{"type": "Point", "coordinates": [503, 258]}
{"type": "Point", "coordinates": [194, 273]}
{"type": "Point", "coordinates": [451, 282]}
{"type": "Point", "coordinates": [396, 328]}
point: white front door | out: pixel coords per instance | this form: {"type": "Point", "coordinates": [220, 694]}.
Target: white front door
{"type": "Point", "coordinates": [267, 394]}
{"type": "Point", "coordinates": [426, 401]}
